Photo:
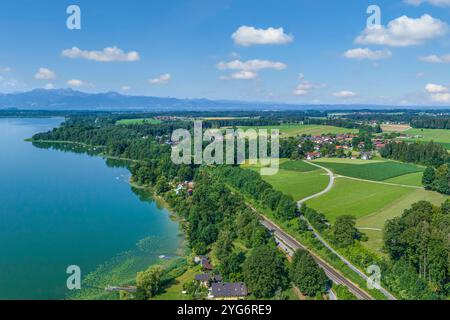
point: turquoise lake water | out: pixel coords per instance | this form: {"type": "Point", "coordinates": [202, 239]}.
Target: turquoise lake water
{"type": "Point", "coordinates": [62, 208]}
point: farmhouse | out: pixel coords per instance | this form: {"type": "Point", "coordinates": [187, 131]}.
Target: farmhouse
{"type": "Point", "coordinates": [206, 279]}
{"type": "Point", "coordinates": [204, 262]}
{"type": "Point", "coordinates": [313, 155]}
{"type": "Point", "coordinates": [228, 291]}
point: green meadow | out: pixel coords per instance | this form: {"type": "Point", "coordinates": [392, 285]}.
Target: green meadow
{"type": "Point", "coordinates": [139, 121]}
{"type": "Point", "coordinates": [357, 198]}
{"type": "Point", "coordinates": [296, 178]}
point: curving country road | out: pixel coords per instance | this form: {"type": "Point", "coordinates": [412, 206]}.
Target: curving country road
{"type": "Point", "coordinates": [325, 243]}
{"type": "Point", "coordinates": [328, 188]}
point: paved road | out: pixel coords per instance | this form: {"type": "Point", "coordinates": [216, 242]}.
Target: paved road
{"type": "Point", "coordinates": [328, 188]}
{"type": "Point", "coordinates": [291, 245]}
{"type": "Point", "coordinates": [325, 243]}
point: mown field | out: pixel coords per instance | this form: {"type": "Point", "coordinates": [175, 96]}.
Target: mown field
{"type": "Point", "coordinates": [440, 136]}
{"type": "Point", "coordinates": [291, 130]}
{"type": "Point", "coordinates": [357, 198]}
{"type": "Point", "coordinates": [139, 121]}
{"type": "Point", "coordinates": [378, 218]}
{"type": "Point", "coordinates": [371, 170]}
{"type": "Point", "coordinates": [297, 179]}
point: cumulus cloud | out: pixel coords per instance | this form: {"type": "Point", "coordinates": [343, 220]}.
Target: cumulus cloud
{"type": "Point", "coordinates": [435, 88]}
{"type": "Point", "coordinates": [78, 83]}
{"type": "Point", "coordinates": [248, 70]}
{"type": "Point", "coordinates": [436, 59]}
{"type": "Point", "coordinates": [345, 94]}
{"type": "Point", "coordinates": [366, 53]}
{"type": "Point", "coordinates": [241, 75]}
{"type": "Point", "coordinates": [109, 54]}
{"type": "Point", "coordinates": [305, 87]}
{"type": "Point", "coordinates": [251, 65]}
{"type": "Point", "coordinates": [437, 3]}
{"type": "Point", "coordinates": [247, 36]}
{"type": "Point", "coordinates": [125, 88]}
{"type": "Point", "coordinates": [45, 74]}
{"type": "Point", "coordinates": [404, 31]}
{"type": "Point", "coordinates": [49, 86]}
{"type": "Point", "coordinates": [162, 79]}
{"type": "Point", "coordinates": [438, 93]}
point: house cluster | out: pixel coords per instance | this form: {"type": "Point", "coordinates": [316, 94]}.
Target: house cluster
{"type": "Point", "coordinates": [217, 289]}
{"type": "Point", "coordinates": [187, 186]}
{"type": "Point", "coordinates": [344, 142]}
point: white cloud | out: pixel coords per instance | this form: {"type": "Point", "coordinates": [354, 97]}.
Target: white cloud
{"type": "Point", "coordinates": [251, 65]}
{"type": "Point", "coordinates": [438, 93]}
{"type": "Point", "coordinates": [366, 53]}
{"type": "Point", "coordinates": [162, 79]}
{"type": "Point", "coordinates": [125, 88]}
{"type": "Point", "coordinates": [109, 54]}
{"type": "Point", "coordinates": [49, 86]}
{"type": "Point", "coordinates": [45, 74]}
{"type": "Point", "coordinates": [435, 88]}
{"type": "Point", "coordinates": [438, 3]}
{"type": "Point", "coordinates": [247, 36]}
{"type": "Point", "coordinates": [248, 70]}
{"type": "Point", "coordinates": [5, 69]}
{"type": "Point", "coordinates": [404, 31]}
{"type": "Point", "coordinates": [436, 59]}
{"type": "Point", "coordinates": [241, 75]}
{"type": "Point", "coordinates": [345, 94]}
{"type": "Point", "coordinates": [305, 87]}
{"type": "Point", "coordinates": [78, 83]}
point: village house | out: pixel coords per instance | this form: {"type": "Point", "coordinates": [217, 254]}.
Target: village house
{"type": "Point", "coordinates": [313, 155]}
{"type": "Point", "coordinates": [206, 279]}
{"type": "Point", "coordinates": [228, 291]}
{"type": "Point", "coordinates": [204, 262]}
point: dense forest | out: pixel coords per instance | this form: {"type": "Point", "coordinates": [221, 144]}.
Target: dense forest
{"type": "Point", "coordinates": [419, 246]}
{"type": "Point", "coordinates": [431, 122]}
{"type": "Point", "coordinates": [430, 154]}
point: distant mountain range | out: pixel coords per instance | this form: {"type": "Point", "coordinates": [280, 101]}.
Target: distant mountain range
{"type": "Point", "coordinates": [68, 99]}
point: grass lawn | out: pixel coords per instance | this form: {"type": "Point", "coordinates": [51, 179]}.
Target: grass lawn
{"type": "Point", "coordinates": [378, 218]}
{"type": "Point", "coordinates": [291, 130]}
{"type": "Point", "coordinates": [357, 198]}
{"type": "Point", "coordinates": [139, 121]}
{"type": "Point", "coordinates": [411, 179]}
{"type": "Point", "coordinates": [441, 136]}
{"type": "Point", "coordinates": [174, 291]}
{"type": "Point", "coordinates": [377, 171]}
{"type": "Point", "coordinates": [299, 166]}
{"type": "Point", "coordinates": [295, 178]}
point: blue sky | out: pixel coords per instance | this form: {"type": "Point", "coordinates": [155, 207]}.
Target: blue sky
{"type": "Point", "coordinates": [232, 49]}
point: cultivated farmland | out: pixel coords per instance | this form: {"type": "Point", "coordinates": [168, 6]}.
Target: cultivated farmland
{"type": "Point", "coordinates": [370, 170]}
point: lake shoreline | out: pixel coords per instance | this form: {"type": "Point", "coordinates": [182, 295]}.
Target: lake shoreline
{"type": "Point", "coordinates": [160, 203]}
